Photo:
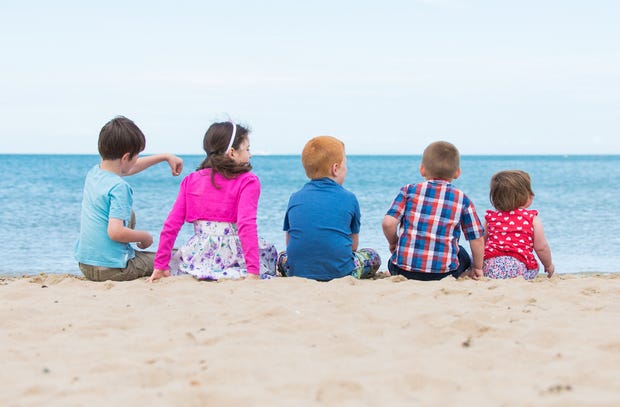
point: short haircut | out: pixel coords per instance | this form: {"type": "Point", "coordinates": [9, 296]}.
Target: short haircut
{"type": "Point", "coordinates": [319, 154]}
{"type": "Point", "coordinates": [120, 136]}
{"type": "Point", "coordinates": [441, 160]}
{"type": "Point", "coordinates": [510, 190]}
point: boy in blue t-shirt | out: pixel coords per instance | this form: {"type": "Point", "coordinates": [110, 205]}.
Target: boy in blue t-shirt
{"type": "Point", "coordinates": [322, 221]}
{"type": "Point", "coordinates": [103, 251]}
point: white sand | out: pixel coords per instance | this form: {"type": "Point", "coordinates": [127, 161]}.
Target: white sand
{"type": "Point", "coordinates": [65, 341]}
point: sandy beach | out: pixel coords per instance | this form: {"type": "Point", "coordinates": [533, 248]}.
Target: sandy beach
{"type": "Point", "coordinates": [65, 341]}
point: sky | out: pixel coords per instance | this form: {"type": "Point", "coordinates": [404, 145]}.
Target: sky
{"type": "Point", "coordinates": [385, 77]}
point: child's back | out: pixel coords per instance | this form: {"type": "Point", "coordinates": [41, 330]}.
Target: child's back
{"type": "Point", "coordinates": [322, 220]}
{"type": "Point", "coordinates": [513, 231]}
{"type": "Point", "coordinates": [103, 249]}
{"type": "Point", "coordinates": [430, 216]}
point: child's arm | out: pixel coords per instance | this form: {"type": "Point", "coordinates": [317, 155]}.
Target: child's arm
{"type": "Point", "coordinates": [541, 247]}
{"type": "Point", "coordinates": [486, 231]}
{"type": "Point", "coordinates": [477, 254]}
{"type": "Point", "coordinates": [390, 229]}
{"type": "Point", "coordinates": [120, 233]}
{"type": "Point", "coordinates": [175, 163]}
{"type": "Point", "coordinates": [355, 237]}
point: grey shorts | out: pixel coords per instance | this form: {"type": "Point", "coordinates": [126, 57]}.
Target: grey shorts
{"type": "Point", "coordinates": [139, 266]}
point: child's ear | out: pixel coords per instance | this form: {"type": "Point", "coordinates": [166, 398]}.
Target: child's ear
{"type": "Point", "coordinates": [457, 174]}
{"type": "Point", "coordinates": [422, 171]}
{"type": "Point", "coordinates": [335, 169]}
{"type": "Point", "coordinates": [126, 157]}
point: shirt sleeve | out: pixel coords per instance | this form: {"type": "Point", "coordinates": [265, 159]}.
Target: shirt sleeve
{"type": "Point", "coordinates": [121, 201]}
{"type": "Point", "coordinates": [171, 228]}
{"type": "Point", "coordinates": [470, 222]}
{"type": "Point", "coordinates": [398, 206]}
{"type": "Point", "coordinates": [246, 222]}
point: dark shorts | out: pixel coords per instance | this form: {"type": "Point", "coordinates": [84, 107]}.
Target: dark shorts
{"type": "Point", "coordinates": [464, 263]}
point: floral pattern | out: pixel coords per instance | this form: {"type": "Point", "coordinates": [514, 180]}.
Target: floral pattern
{"type": "Point", "coordinates": [214, 252]}
{"type": "Point", "coordinates": [507, 267]}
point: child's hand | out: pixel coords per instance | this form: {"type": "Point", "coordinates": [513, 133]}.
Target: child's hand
{"type": "Point", "coordinates": [145, 243]}
{"type": "Point", "coordinates": [157, 274]}
{"type": "Point", "coordinates": [550, 270]}
{"type": "Point", "coordinates": [176, 165]}
{"type": "Point", "coordinates": [473, 273]}
{"type": "Point", "coordinates": [392, 247]}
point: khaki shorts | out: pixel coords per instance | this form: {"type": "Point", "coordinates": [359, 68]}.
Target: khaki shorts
{"type": "Point", "coordinates": [139, 266]}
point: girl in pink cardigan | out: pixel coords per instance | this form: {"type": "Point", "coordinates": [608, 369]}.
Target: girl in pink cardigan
{"type": "Point", "coordinates": [221, 199]}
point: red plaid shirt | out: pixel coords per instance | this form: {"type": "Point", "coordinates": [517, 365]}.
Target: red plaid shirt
{"type": "Point", "coordinates": [432, 215]}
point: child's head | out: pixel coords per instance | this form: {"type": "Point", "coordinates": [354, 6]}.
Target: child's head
{"type": "Point", "coordinates": [441, 160]}
{"type": "Point", "coordinates": [228, 149]}
{"type": "Point", "coordinates": [511, 190]}
{"type": "Point", "coordinates": [320, 154]}
{"type": "Point", "coordinates": [118, 137]}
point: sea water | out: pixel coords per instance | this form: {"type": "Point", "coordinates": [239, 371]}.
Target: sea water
{"type": "Point", "coordinates": [577, 198]}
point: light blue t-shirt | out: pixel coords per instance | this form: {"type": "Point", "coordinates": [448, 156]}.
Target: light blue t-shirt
{"type": "Point", "coordinates": [106, 195]}
{"type": "Point", "coordinates": [320, 219]}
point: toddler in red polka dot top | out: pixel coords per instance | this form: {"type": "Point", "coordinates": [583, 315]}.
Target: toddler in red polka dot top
{"type": "Point", "coordinates": [513, 232]}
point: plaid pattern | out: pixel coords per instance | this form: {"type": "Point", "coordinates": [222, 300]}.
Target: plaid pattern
{"type": "Point", "coordinates": [432, 215]}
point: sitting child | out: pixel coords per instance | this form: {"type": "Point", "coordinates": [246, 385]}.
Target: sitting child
{"type": "Point", "coordinates": [322, 221]}
{"type": "Point", "coordinates": [107, 222]}
{"type": "Point", "coordinates": [220, 199]}
{"type": "Point", "coordinates": [513, 231]}
{"type": "Point", "coordinates": [430, 216]}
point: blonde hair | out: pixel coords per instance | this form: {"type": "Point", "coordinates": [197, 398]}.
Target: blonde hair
{"type": "Point", "coordinates": [319, 154]}
{"type": "Point", "coordinates": [441, 160]}
{"type": "Point", "coordinates": [510, 190]}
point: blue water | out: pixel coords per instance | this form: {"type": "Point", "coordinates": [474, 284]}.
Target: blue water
{"type": "Point", "coordinates": [577, 198]}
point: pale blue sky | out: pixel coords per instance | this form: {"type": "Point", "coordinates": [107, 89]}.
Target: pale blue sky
{"type": "Point", "coordinates": [386, 77]}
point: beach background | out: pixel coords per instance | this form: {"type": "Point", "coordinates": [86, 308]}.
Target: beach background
{"type": "Point", "coordinates": [529, 85]}
{"type": "Point", "coordinates": [576, 197]}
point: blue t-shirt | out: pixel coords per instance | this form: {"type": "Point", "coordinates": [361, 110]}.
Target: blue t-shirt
{"type": "Point", "coordinates": [106, 195]}
{"type": "Point", "coordinates": [320, 219]}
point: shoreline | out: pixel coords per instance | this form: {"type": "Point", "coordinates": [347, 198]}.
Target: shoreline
{"type": "Point", "coordinates": [289, 341]}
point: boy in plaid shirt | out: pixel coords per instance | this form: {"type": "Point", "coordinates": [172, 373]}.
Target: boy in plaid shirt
{"type": "Point", "coordinates": [430, 216]}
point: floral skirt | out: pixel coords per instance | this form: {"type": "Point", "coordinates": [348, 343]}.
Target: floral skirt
{"type": "Point", "coordinates": [214, 252]}
{"type": "Point", "coordinates": [507, 267]}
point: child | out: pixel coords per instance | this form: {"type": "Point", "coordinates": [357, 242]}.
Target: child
{"type": "Point", "coordinates": [513, 232]}
{"type": "Point", "coordinates": [322, 221]}
{"type": "Point", "coordinates": [106, 229]}
{"type": "Point", "coordinates": [221, 199]}
{"type": "Point", "coordinates": [430, 216]}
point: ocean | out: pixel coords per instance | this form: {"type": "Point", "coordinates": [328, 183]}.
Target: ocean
{"type": "Point", "coordinates": [577, 198]}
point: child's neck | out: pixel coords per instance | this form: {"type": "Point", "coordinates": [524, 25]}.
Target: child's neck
{"type": "Point", "coordinates": [437, 179]}
{"type": "Point", "coordinates": [113, 166]}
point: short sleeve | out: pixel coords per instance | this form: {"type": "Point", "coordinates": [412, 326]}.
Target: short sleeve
{"type": "Point", "coordinates": [121, 201]}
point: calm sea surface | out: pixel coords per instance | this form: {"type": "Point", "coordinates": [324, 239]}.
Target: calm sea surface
{"type": "Point", "coordinates": [577, 197]}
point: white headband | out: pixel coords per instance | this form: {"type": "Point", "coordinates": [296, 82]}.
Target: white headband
{"type": "Point", "coordinates": [232, 137]}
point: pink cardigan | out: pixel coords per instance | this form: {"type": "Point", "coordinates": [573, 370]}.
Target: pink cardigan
{"type": "Point", "coordinates": [235, 201]}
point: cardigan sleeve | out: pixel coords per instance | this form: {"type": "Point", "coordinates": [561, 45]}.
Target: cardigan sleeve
{"type": "Point", "coordinates": [171, 228]}
{"type": "Point", "coordinates": [247, 207]}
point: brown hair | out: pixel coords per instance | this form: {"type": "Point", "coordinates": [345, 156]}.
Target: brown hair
{"type": "Point", "coordinates": [319, 154]}
{"type": "Point", "coordinates": [118, 137]}
{"type": "Point", "coordinates": [510, 190]}
{"type": "Point", "coordinates": [441, 160]}
{"type": "Point", "coordinates": [215, 143]}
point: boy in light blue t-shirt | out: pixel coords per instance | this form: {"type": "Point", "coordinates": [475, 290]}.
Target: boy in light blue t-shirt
{"type": "Point", "coordinates": [103, 251]}
{"type": "Point", "coordinates": [322, 221]}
